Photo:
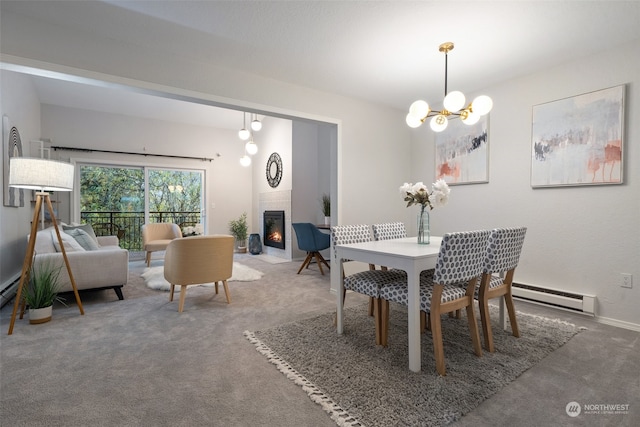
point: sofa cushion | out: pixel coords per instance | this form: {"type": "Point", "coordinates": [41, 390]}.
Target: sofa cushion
{"type": "Point", "coordinates": [87, 228]}
{"type": "Point", "coordinates": [83, 238]}
{"type": "Point", "coordinates": [70, 244]}
{"type": "Point", "coordinates": [44, 241]}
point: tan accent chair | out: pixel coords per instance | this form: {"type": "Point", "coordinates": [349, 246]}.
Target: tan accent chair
{"type": "Point", "coordinates": [198, 260]}
{"type": "Point", "coordinates": [157, 236]}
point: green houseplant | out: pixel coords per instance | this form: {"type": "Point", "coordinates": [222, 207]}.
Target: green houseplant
{"type": "Point", "coordinates": [42, 291]}
{"type": "Point", "coordinates": [238, 229]}
{"type": "Point", "coordinates": [325, 203]}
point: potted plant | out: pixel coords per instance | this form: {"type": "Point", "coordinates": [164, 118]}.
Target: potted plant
{"type": "Point", "coordinates": [42, 291]}
{"type": "Point", "coordinates": [238, 229]}
{"type": "Point", "coordinates": [325, 203]}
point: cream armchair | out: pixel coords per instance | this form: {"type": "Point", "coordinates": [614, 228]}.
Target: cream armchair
{"type": "Point", "coordinates": [198, 260]}
{"type": "Point", "coordinates": [157, 236]}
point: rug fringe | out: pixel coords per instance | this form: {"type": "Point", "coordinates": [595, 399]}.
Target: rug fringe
{"type": "Point", "coordinates": [337, 414]}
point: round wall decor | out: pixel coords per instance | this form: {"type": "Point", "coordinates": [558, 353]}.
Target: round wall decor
{"type": "Point", "coordinates": [274, 170]}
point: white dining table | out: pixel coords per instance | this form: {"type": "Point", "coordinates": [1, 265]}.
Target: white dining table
{"type": "Point", "coordinates": [405, 254]}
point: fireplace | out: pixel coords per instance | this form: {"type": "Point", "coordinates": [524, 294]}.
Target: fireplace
{"type": "Point", "coordinates": [273, 226]}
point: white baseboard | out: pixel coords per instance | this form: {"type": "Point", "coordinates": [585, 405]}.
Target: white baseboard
{"type": "Point", "coordinates": [618, 323]}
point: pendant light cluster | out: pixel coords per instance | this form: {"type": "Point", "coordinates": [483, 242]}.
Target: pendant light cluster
{"type": "Point", "coordinates": [453, 105]}
{"type": "Point", "coordinates": [250, 148]}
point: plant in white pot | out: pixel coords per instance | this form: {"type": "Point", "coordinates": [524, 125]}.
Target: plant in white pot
{"type": "Point", "coordinates": [325, 203]}
{"type": "Point", "coordinates": [239, 229]}
{"type": "Point", "coordinates": [42, 291]}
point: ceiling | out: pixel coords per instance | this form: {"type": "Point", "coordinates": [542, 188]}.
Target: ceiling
{"type": "Point", "coordinates": [384, 52]}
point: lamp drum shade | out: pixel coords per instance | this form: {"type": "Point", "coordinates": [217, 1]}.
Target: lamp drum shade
{"type": "Point", "coordinates": [40, 174]}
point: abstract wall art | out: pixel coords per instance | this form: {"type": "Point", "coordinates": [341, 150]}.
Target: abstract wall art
{"type": "Point", "coordinates": [462, 152]}
{"type": "Point", "coordinates": [12, 147]}
{"type": "Point", "coordinates": [579, 140]}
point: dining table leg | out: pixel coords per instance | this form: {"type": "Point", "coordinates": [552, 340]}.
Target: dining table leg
{"type": "Point", "coordinates": [413, 282]}
{"type": "Point", "coordinates": [502, 318]}
{"type": "Point", "coordinates": [340, 299]}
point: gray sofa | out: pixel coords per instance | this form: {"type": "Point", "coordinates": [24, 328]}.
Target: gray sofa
{"type": "Point", "coordinates": [104, 266]}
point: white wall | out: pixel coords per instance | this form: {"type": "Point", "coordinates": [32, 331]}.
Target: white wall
{"type": "Point", "coordinates": [19, 102]}
{"type": "Point", "coordinates": [579, 239]}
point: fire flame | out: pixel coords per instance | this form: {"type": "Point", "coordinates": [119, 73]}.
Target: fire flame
{"type": "Point", "coordinates": [275, 236]}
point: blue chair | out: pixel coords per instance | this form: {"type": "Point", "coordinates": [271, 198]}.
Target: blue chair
{"type": "Point", "coordinates": [312, 240]}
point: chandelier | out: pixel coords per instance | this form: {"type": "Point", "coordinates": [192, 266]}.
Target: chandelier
{"type": "Point", "coordinates": [244, 134]}
{"type": "Point", "coordinates": [454, 105]}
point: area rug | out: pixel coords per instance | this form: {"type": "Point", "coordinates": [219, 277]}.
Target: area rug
{"type": "Point", "coordinates": [154, 276]}
{"type": "Point", "coordinates": [359, 384]}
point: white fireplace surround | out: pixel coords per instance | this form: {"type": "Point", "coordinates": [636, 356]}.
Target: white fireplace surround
{"type": "Point", "coordinates": [276, 201]}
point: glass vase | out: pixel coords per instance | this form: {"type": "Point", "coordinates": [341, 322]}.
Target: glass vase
{"type": "Point", "coordinates": [424, 235]}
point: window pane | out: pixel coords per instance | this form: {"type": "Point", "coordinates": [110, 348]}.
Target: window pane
{"type": "Point", "coordinates": [175, 196]}
{"type": "Point", "coordinates": [112, 201]}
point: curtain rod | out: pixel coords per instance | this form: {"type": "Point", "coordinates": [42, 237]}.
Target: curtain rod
{"type": "Point", "coordinates": [91, 150]}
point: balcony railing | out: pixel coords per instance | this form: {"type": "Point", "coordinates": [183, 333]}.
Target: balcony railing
{"type": "Point", "coordinates": [128, 225]}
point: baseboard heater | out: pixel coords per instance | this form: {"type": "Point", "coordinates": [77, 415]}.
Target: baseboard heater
{"type": "Point", "coordinates": [567, 300]}
{"type": "Point", "coordinates": [9, 290]}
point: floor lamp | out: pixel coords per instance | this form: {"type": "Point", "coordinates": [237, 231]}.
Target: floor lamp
{"type": "Point", "coordinates": [41, 175]}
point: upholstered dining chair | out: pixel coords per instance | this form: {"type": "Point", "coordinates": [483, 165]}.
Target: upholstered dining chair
{"type": "Point", "coordinates": [198, 260]}
{"type": "Point", "coordinates": [388, 231]}
{"type": "Point", "coordinates": [502, 257]}
{"type": "Point", "coordinates": [156, 236]}
{"type": "Point", "coordinates": [397, 230]}
{"type": "Point", "coordinates": [311, 240]}
{"type": "Point", "coordinates": [366, 282]}
{"type": "Point", "coordinates": [461, 259]}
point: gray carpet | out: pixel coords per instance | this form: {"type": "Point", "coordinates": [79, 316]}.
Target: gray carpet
{"type": "Point", "coordinates": [358, 383]}
{"type": "Point", "coordinates": [139, 362]}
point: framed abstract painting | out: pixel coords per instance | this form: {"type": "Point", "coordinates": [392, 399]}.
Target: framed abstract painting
{"type": "Point", "coordinates": [579, 140]}
{"type": "Point", "coordinates": [462, 152]}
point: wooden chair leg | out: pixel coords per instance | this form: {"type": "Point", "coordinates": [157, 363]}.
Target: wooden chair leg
{"type": "Point", "coordinates": [322, 260]}
{"type": "Point", "coordinates": [423, 321]}
{"type": "Point", "coordinates": [436, 335]}
{"type": "Point", "coordinates": [485, 319]}
{"type": "Point", "coordinates": [384, 322]}
{"type": "Point", "coordinates": [226, 291]}
{"type": "Point", "coordinates": [148, 259]}
{"type": "Point", "coordinates": [473, 329]}
{"type": "Point", "coordinates": [377, 316]}
{"type": "Point", "coordinates": [371, 308]}
{"type": "Point", "coordinates": [508, 300]}
{"type": "Point", "coordinates": [306, 262]}
{"type": "Point", "coordinates": [436, 329]}
{"type": "Point", "coordinates": [171, 292]}
{"type": "Point", "coordinates": [183, 294]}
{"type": "Point", "coordinates": [217, 287]}
{"type": "Point", "coordinates": [318, 256]}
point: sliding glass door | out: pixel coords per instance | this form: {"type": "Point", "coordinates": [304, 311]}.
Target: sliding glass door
{"type": "Point", "coordinates": [118, 200]}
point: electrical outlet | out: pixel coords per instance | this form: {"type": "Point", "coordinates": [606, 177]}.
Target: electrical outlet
{"type": "Point", "coordinates": [626, 280]}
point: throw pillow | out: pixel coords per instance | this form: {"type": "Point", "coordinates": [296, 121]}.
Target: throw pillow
{"type": "Point", "coordinates": [87, 228]}
{"type": "Point", "coordinates": [70, 244]}
{"type": "Point", "coordinates": [83, 238]}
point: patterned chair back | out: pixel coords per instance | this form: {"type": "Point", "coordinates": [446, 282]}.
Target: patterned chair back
{"type": "Point", "coordinates": [389, 230]}
{"type": "Point", "coordinates": [503, 249]}
{"type": "Point", "coordinates": [347, 234]}
{"type": "Point", "coordinates": [461, 257]}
